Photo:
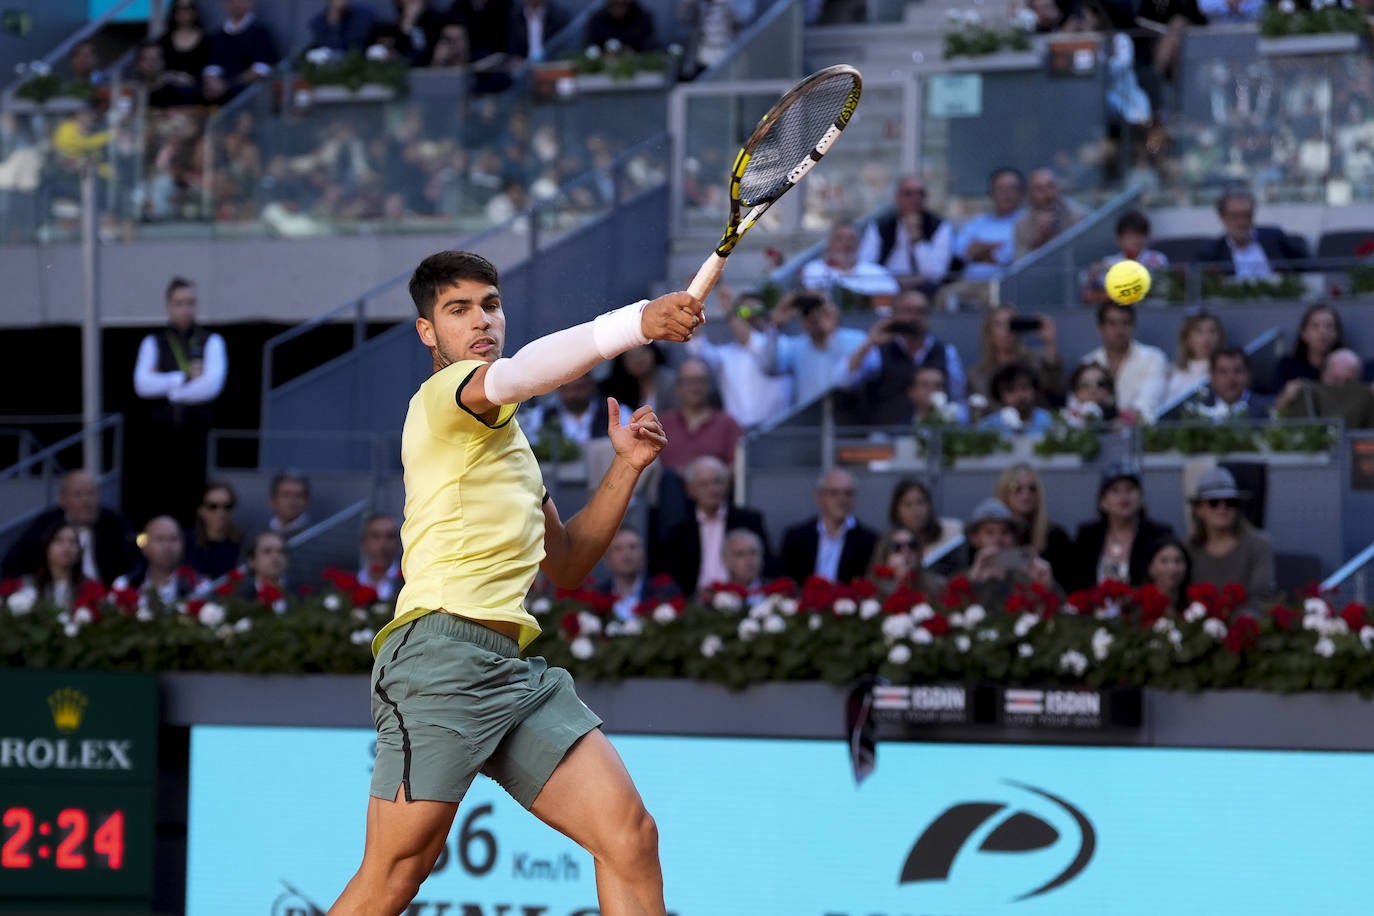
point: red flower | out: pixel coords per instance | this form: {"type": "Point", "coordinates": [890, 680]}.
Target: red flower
{"type": "Point", "coordinates": [1081, 601]}
{"type": "Point", "coordinates": [10, 586]}
{"type": "Point", "coordinates": [1233, 595]}
{"type": "Point", "coordinates": [89, 596]}
{"type": "Point", "coordinates": [343, 581]}
{"type": "Point", "coordinates": [732, 588]}
{"type": "Point", "coordinates": [187, 573]}
{"type": "Point", "coordinates": [1285, 618]}
{"type": "Point", "coordinates": [862, 589]}
{"type": "Point", "coordinates": [570, 625]}
{"type": "Point", "coordinates": [937, 625]}
{"type": "Point", "coordinates": [224, 589]}
{"type": "Point", "coordinates": [1112, 590]}
{"type": "Point", "coordinates": [364, 596]}
{"type": "Point", "coordinates": [784, 586]}
{"type": "Point", "coordinates": [126, 599]}
{"type": "Point", "coordinates": [1204, 593]}
{"type": "Point", "coordinates": [1154, 604]}
{"type": "Point", "coordinates": [1242, 634]}
{"type": "Point", "coordinates": [269, 594]}
{"type": "Point", "coordinates": [662, 580]}
{"type": "Point", "coordinates": [884, 572]}
{"type": "Point", "coordinates": [306, 590]}
{"type": "Point", "coordinates": [818, 594]}
{"type": "Point", "coordinates": [1354, 616]}
{"type": "Point", "coordinates": [235, 575]}
{"type": "Point", "coordinates": [1046, 598]}
{"type": "Point", "coordinates": [1310, 590]}
{"type": "Point", "coordinates": [1016, 602]}
{"type": "Point", "coordinates": [194, 605]}
{"type": "Point", "coordinates": [1365, 248]}
{"type": "Point", "coordinates": [903, 599]}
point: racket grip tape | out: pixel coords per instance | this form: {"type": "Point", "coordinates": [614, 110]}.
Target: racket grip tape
{"type": "Point", "coordinates": [706, 277]}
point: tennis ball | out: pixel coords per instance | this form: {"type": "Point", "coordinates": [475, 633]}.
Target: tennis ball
{"type": "Point", "coordinates": [1127, 282]}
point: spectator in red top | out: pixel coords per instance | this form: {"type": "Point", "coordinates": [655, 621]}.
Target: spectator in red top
{"type": "Point", "coordinates": [697, 426]}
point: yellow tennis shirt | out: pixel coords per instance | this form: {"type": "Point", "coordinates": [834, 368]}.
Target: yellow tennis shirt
{"type": "Point", "coordinates": [473, 534]}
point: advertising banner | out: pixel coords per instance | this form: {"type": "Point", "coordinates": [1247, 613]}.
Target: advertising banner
{"type": "Point", "coordinates": [755, 827]}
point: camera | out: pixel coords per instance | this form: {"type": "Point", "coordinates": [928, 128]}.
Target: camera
{"type": "Point", "coordinates": [903, 327]}
{"type": "Point", "coordinates": [807, 303]}
{"type": "Point", "coordinates": [1022, 324]}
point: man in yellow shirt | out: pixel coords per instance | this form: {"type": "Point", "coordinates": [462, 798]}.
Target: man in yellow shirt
{"type": "Point", "coordinates": [451, 695]}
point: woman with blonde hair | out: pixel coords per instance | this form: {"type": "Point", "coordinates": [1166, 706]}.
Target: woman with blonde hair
{"type": "Point", "coordinates": [1223, 546]}
{"type": "Point", "coordinates": [897, 561]}
{"type": "Point", "coordinates": [1002, 344]}
{"type": "Point", "coordinates": [1199, 336]}
{"type": "Point", "coordinates": [1022, 491]}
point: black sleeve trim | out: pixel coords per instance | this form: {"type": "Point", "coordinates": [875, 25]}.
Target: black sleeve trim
{"type": "Point", "coordinates": [458, 396]}
{"type": "Point", "coordinates": [546, 498]}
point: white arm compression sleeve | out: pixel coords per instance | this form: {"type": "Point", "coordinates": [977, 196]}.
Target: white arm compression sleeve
{"type": "Point", "coordinates": [542, 365]}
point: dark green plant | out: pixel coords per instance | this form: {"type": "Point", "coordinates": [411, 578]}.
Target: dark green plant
{"type": "Point", "coordinates": [1279, 21]}
{"type": "Point", "coordinates": [353, 71]}
{"type": "Point", "coordinates": [42, 87]}
{"type": "Point", "coordinates": [977, 40]}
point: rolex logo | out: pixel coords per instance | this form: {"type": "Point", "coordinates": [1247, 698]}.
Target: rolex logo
{"type": "Point", "coordinates": [68, 705]}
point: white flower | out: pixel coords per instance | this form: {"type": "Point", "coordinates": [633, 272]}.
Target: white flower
{"type": "Point", "coordinates": [974, 615]}
{"type": "Point", "coordinates": [377, 52]}
{"type": "Point", "coordinates": [760, 610]}
{"type": "Point", "coordinates": [899, 654]}
{"type": "Point", "coordinates": [614, 629]}
{"type": "Point", "coordinates": [318, 56]}
{"type": "Point", "coordinates": [332, 602]}
{"type": "Point", "coordinates": [279, 606]}
{"type": "Point", "coordinates": [1010, 418]}
{"type": "Point", "coordinates": [593, 52]}
{"type": "Point", "coordinates": [814, 622]}
{"type": "Point", "coordinates": [540, 605]}
{"type": "Point", "coordinates": [1163, 625]}
{"type": "Point", "coordinates": [1367, 637]}
{"type": "Point", "coordinates": [1287, 6]}
{"type": "Point", "coordinates": [632, 627]}
{"type": "Point", "coordinates": [1214, 628]}
{"type": "Point", "coordinates": [774, 624]}
{"type": "Point", "coordinates": [40, 68]}
{"type": "Point", "coordinates": [71, 628]}
{"type": "Point", "coordinates": [1336, 626]}
{"type": "Point", "coordinates": [962, 642]}
{"type": "Point", "coordinates": [665, 613]}
{"type": "Point", "coordinates": [582, 648]}
{"type": "Point", "coordinates": [1090, 410]}
{"type": "Point", "coordinates": [1176, 637]}
{"type": "Point", "coordinates": [1024, 650]}
{"type": "Point", "coordinates": [870, 608]}
{"type": "Point", "coordinates": [922, 612]}
{"type": "Point", "coordinates": [787, 606]}
{"type": "Point", "coordinates": [1073, 661]}
{"type": "Point", "coordinates": [748, 629]}
{"type": "Point", "coordinates": [711, 645]}
{"type": "Point", "coordinates": [144, 615]}
{"type": "Point", "coordinates": [675, 50]}
{"type": "Point", "coordinates": [212, 614]}
{"type": "Point", "coordinates": [845, 606]}
{"type": "Point", "coordinates": [361, 637]}
{"type": "Point", "coordinates": [727, 601]}
{"type": "Point", "coordinates": [1194, 612]}
{"type": "Point", "coordinates": [63, 617]}
{"type": "Point", "coordinates": [1325, 647]}
{"type": "Point", "coordinates": [938, 399]}
{"type": "Point", "coordinates": [243, 625]}
{"type": "Point", "coordinates": [921, 636]}
{"type": "Point", "coordinates": [613, 46]}
{"type": "Point", "coordinates": [22, 601]}
{"type": "Point", "coordinates": [83, 615]}
{"type": "Point", "coordinates": [1024, 624]}
{"type": "Point", "coordinates": [957, 620]}
{"type": "Point", "coordinates": [988, 634]}
{"type": "Point", "coordinates": [1025, 20]}
{"type": "Point", "coordinates": [977, 402]}
{"type": "Point", "coordinates": [1313, 621]}
{"type": "Point", "coordinates": [1102, 644]}
{"type": "Point", "coordinates": [1315, 606]}
{"type": "Point", "coordinates": [896, 627]}
{"type": "Point", "coordinates": [588, 623]}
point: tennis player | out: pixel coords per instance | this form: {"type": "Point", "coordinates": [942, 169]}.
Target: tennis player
{"type": "Point", "coordinates": [451, 695]}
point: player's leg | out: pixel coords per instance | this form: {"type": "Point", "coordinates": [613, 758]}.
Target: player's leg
{"type": "Point", "coordinates": [591, 799]}
{"type": "Point", "coordinates": [403, 842]}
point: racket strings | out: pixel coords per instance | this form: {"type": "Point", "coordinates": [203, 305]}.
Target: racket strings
{"type": "Point", "coordinates": [793, 135]}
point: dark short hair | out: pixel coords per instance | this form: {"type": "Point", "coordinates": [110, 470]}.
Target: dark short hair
{"type": "Point", "coordinates": [1110, 306]}
{"type": "Point", "coordinates": [1230, 352]}
{"type": "Point", "coordinates": [1133, 221]}
{"type": "Point", "coordinates": [1083, 368]}
{"type": "Point", "coordinates": [1005, 170]}
{"type": "Point", "coordinates": [177, 283]}
{"type": "Point", "coordinates": [282, 477]}
{"type": "Point", "coordinates": [444, 269]}
{"type": "Point", "coordinates": [1009, 375]}
{"type": "Point", "coordinates": [1231, 194]}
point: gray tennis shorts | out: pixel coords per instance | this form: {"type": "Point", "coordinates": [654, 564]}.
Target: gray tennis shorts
{"type": "Point", "coordinates": [452, 698]}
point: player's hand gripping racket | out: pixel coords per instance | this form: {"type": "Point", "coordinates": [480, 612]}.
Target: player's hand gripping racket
{"type": "Point", "coordinates": [792, 137]}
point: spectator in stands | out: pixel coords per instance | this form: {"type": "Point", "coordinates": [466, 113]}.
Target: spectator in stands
{"type": "Point", "coordinates": [912, 509]}
{"type": "Point", "coordinates": [928, 396]}
{"type": "Point", "coordinates": [1013, 388]}
{"type": "Point", "coordinates": [242, 51]}
{"type": "Point", "coordinates": [1003, 343]}
{"type": "Point", "coordinates": [897, 561]}
{"type": "Point", "coordinates": [185, 46]}
{"type": "Point", "coordinates": [713, 25]}
{"type": "Point", "coordinates": [1047, 214]}
{"type": "Point", "coordinates": [1132, 243]}
{"type": "Point", "coordinates": [379, 549]}
{"type": "Point", "coordinates": [1223, 546]}
{"type": "Point", "coordinates": [999, 562]}
{"type": "Point", "coordinates": [452, 48]}
{"type": "Point", "coordinates": [1092, 395]}
{"type": "Point", "coordinates": [57, 575]}
{"type": "Point", "coordinates": [1117, 544]}
{"type": "Point", "coordinates": [1021, 490]}
{"type": "Point", "coordinates": [913, 243]}
{"type": "Point", "coordinates": [83, 65]}
{"type": "Point", "coordinates": [488, 25]}
{"type": "Point", "coordinates": [576, 416]}
{"type": "Point", "coordinates": [626, 577]}
{"type": "Point", "coordinates": [885, 363]}
{"type": "Point", "coordinates": [623, 21]}
{"type": "Point", "coordinates": [840, 271]}
{"type": "Point", "coordinates": [697, 426]}
{"type": "Point", "coordinates": [693, 551]}
{"type": "Point", "coordinates": [1339, 394]}
{"type": "Point", "coordinates": [179, 375]}
{"type": "Point", "coordinates": [832, 544]}
{"type": "Point", "coordinates": [267, 561]}
{"type": "Point", "coordinates": [214, 546]}
{"type": "Point", "coordinates": [533, 24]}
{"type": "Point", "coordinates": [986, 243]}
{"type": "Point", "coordinates": [749, 393]}
{"type": "Point", "coordinates": [1199, 336]}
{"type": "Point", "coordinates": [1227, 395]}
{"type": "Point", "coordinates": [163, 88]}
{"type": "Point", "coordinates": [744, 555]}
{"type": "Point", "coordinates": [289, 500]}
{"type": "Point", "coordinates": [1248, 251]}
{"type": "Point", "coordinates": [638, 377]}
{"type": "Point", "coordinates": [817, 359]}
{"type": "Point", "coordinates": [1170, 569]}
{"type": "Point", "coordinates": [106, 541]}
{"type": "Point", "coordinates": [1320, 332]}
{"type": "Point", "coordinates": [342, 26]}
{"type": "Point", "coordinates": [1139, 371]}
{"type": "Point", "coordinates": [411, 33]}
{"type": "Point", "coordinates": [1231, 11]}
{"type": "Point", "coordinates": [162, 578]}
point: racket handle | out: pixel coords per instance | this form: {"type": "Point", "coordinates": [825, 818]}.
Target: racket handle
{"type": "Point", "coordinates": [706, 277]}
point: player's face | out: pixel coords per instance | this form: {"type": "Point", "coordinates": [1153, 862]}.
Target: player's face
{"type": "Point", "coordinates": [468, 323]}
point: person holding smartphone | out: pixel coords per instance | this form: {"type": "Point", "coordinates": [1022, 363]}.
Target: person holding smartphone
{"type": "Point", "coordinates": [1003, 343]}
{"type": "Point", "coordinates": [885, 364]}
{"type": "Point", "coordinates": [998, 561]}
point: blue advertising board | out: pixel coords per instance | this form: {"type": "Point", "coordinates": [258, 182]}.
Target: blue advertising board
{"type": "Point", "coordinates": [779, 828]}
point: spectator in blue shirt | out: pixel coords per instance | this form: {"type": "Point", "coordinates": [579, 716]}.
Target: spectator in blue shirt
{"type": "Point", "coordinates": [986, 244]}
{"type": "Point", "coordinates": [342, 26]}
{"type": "Point", "coordinates": [1014, 387]}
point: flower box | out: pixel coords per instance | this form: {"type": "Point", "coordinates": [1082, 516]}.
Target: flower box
{"type": "Point", "coordinates": [605, 82]}
{"type": "Point", "coordinates": [1331, 43]}
{"type": "Point", "coordinates": [327, 95]}
{"type": "Point", "coordinates": [58, 104]}
{"type": "Point", "coordinates": [1002, 60]}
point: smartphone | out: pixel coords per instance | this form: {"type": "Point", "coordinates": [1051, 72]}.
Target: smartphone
{"type": "Point", "coordinates": [902, 327]}
{"type": "Point", "coordinates": [807, 303]}
{"type": "Point", "coordinates": [1021, 324]}
{"type": "Point", "coordinates": [1014, 559]}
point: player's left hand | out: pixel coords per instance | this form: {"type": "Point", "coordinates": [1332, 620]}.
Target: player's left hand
{"type": "Point", "coordinates": [639, 441]}
{"type": "Point", "coordinates": [672, 317]}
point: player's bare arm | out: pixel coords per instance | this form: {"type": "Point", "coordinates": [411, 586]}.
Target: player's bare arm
{"type": "Point", "coordinates": [571, 550]}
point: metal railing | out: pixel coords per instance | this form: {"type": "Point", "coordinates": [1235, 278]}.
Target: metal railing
{"type": "Point", "coordinates": [1353, 578]}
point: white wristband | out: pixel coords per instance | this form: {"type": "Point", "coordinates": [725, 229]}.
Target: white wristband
{"type": "Point", "coordinates": [620, 330]}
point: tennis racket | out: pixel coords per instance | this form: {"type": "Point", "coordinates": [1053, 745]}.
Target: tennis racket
{"type": "Point", "coordinates": [792, 137]}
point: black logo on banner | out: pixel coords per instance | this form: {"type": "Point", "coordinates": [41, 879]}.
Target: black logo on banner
{"type": "Point", "coordinates": [932, 857]}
